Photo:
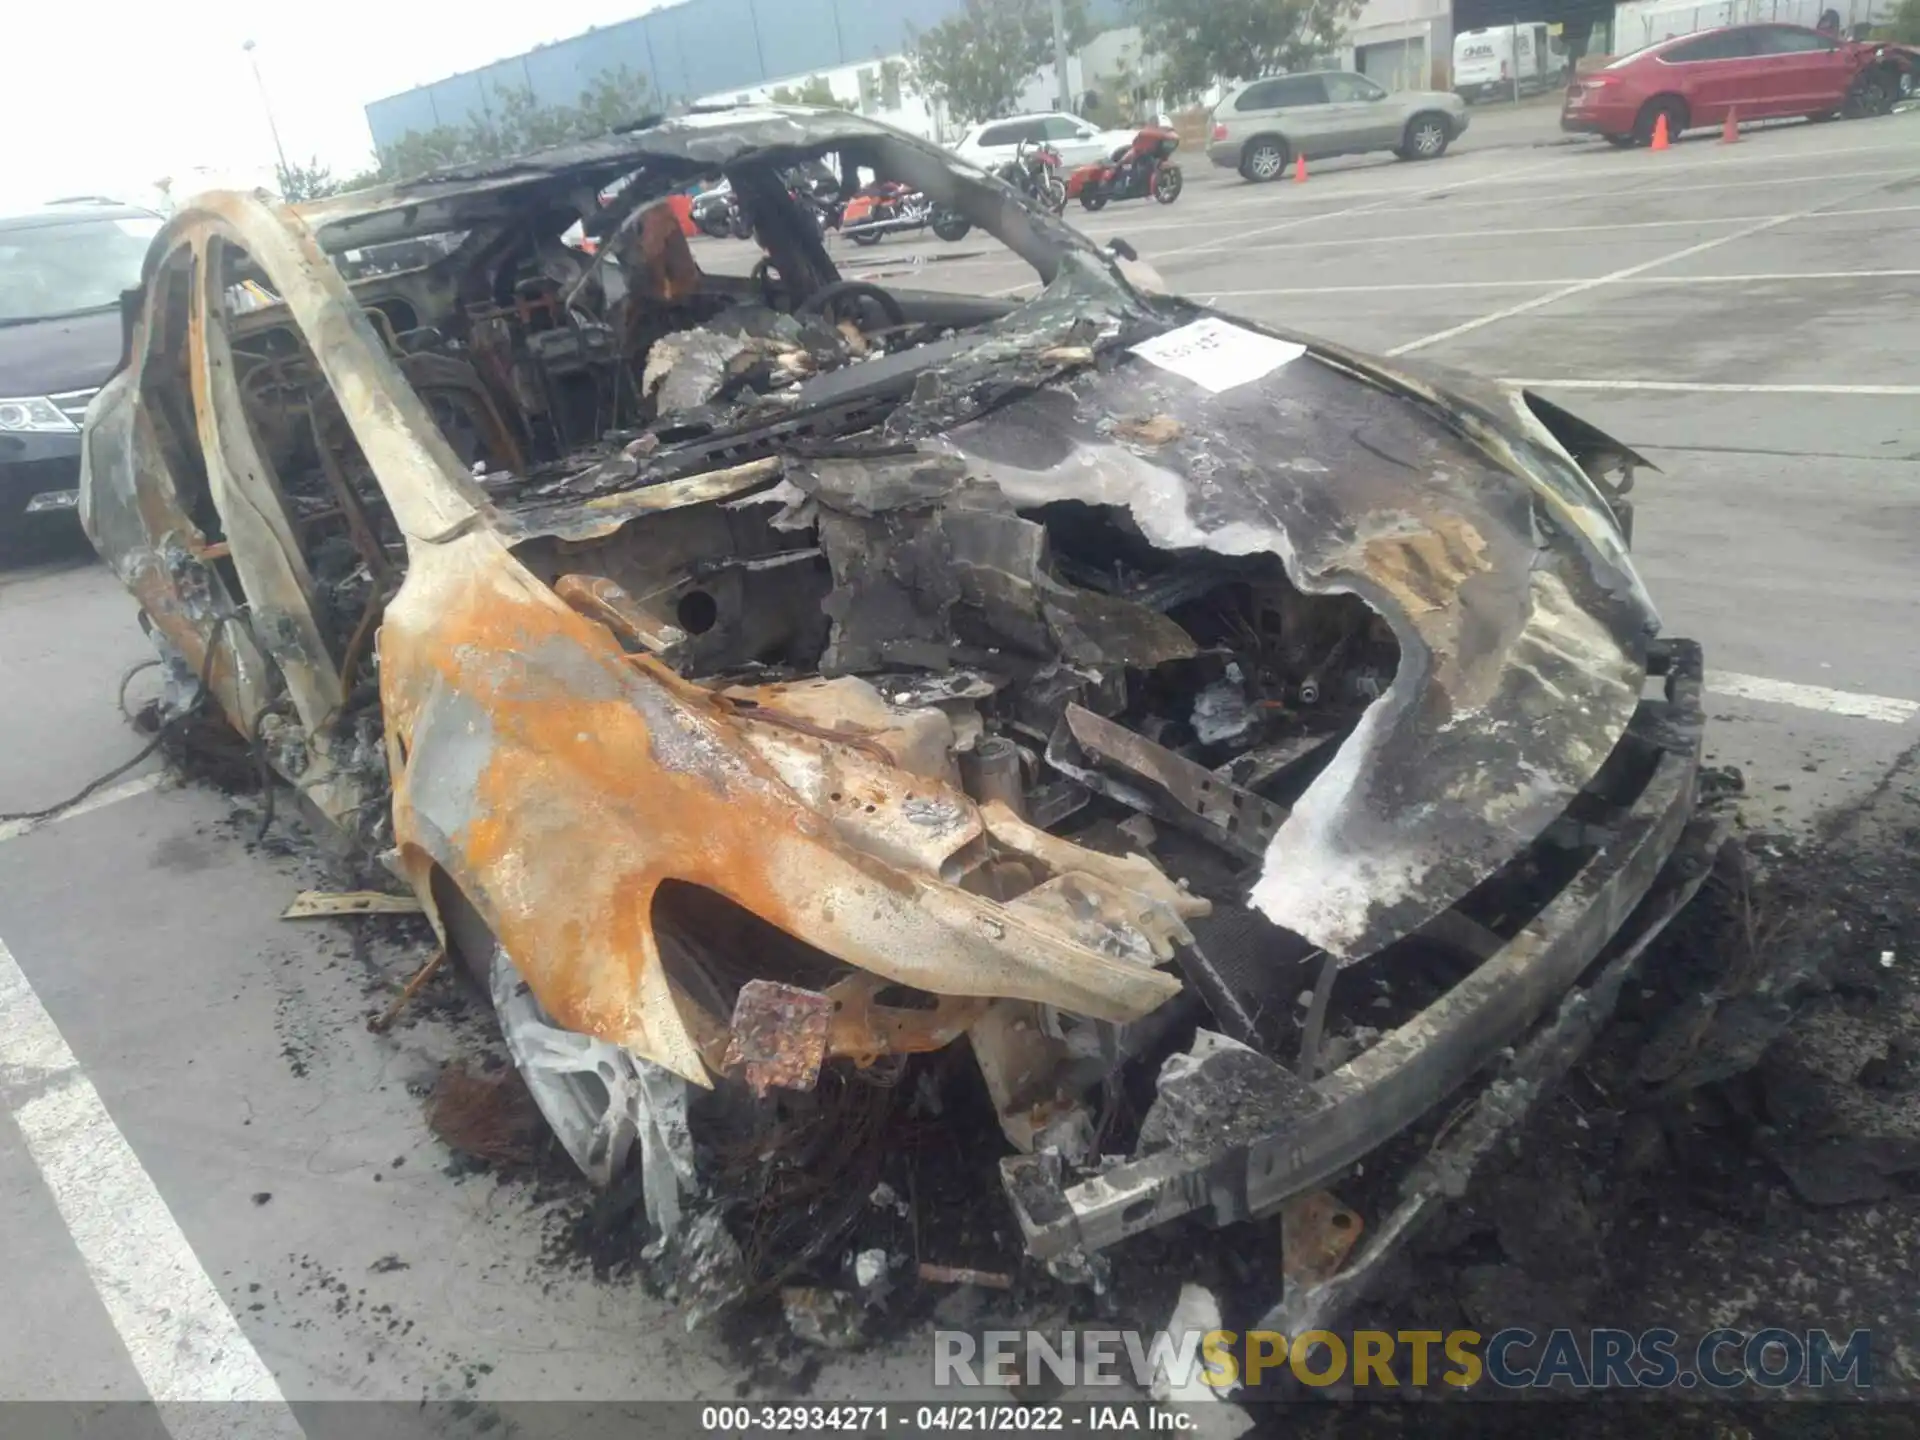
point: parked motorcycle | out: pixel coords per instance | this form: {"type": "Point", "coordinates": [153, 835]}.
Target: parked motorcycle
{"type": "Point", "coordinates": [1035, 173]}
{"type": "Point", "coordinates": [1135, 172]}
{"type": "Point", "coordinates": [816, 190]}
{"type": "Point", "coordinates": [888, 207]}
{"type": "Point", "coordinates": [718, 213]}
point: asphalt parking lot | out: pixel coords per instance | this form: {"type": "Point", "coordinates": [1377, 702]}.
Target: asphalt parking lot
{"type": "Point", "coordinates": [196, 1115]}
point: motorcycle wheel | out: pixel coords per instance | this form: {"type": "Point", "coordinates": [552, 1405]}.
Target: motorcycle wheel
{"type": "Point", "coordinates": [1054, 196]}
{"type": "Point", "coordinates": [1091, 201]}
{"type": "Point", "coordinates": [714, 223]}
{"type": "Point", "coordinates": [865, 237]}
{"type": "Point", "coordinates": [951, 227]}
{"type": "Point", "coordinates": [1166, 184]}
{"type": "Point", "coordinates": [738, 226]}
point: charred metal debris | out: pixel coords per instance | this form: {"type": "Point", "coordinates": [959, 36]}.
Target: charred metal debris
{"type": "Point", "coordinates": [1235, 744]}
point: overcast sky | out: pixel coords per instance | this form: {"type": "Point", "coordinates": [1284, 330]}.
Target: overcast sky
{"type": "Point", "coordinates": [106, 98]}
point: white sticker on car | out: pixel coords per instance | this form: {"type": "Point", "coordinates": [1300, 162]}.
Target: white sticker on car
{"type": "Point", "coordinates": [1218, 356]}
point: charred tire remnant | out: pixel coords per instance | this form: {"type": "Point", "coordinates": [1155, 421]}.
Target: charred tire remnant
{"type": "Point", "coordinates": [1372, 1098]}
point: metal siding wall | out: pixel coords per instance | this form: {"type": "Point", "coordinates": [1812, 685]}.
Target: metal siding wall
{"type": "Point", "coordinates": [696, 48]}
{"type": "Point", "coordinates": [663, 54]}
{"type": "Point", "coordinates": [506, 75]}
{"type": "Point", "coordinates": [871, 30]}
{"type": "Point", "coordinates": [393, 117]}
{"type": "Point", "coordinates": [798, 36]}
{"type": "Point", "coordinates": [719, 43]}
{"type": "Point", "coordinates": [558, 74]}
{"type": "Point", "coordinates": [461, 99]}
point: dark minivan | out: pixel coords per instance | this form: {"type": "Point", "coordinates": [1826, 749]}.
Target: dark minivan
{"type": "Point", "coordinates": [62, 270]}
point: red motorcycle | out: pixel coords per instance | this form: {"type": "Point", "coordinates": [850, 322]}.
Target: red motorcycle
{"type": "Point", "coordinates": [1135, 172]}
{"type": "Point", "coordinates": [1035, 173]}
{"type": "Point", "coordinates": [888, 207]}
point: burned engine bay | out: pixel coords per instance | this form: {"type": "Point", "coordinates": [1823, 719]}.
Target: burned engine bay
{"type": "Point", "coordinates": [799, 677]}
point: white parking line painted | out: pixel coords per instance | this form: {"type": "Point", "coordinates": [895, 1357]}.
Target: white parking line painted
{"type": "Point", "coordinates": [1440, 201]}
{"type": "Point", "coordinates": [1433, 201]}
{"type": "Point", "coordinates": [182, 1337]}
{"type": "Point", "coordinates": [1240, 236]}
{"type": "Point", "coordinates": [1635, 192]}
{"type": "Point", "coordinates": [1637, 165]}
{"type": "Point", "coordinates": [1713, 157]}
{"type": "Point", "coordinates": [1555, 296]}
{"type": "Point", "coordinates": [1710, 387]}
{"type": "Point", "coordinates": [1813, 697]}
{"type": "Point", "coordinates": [1513, 232]}
{"type": "Point", "coordinates": [112, 795]}
{"type": "Point", "coordinates": [1384, 289]}
{"type": "Point", "coordinates": [1788, 276]}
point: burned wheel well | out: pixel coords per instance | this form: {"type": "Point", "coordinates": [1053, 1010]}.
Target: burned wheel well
{"type": "Point", "coordinates": [710, 946]}
{"type": "Point", "coordinates": [470, 940]}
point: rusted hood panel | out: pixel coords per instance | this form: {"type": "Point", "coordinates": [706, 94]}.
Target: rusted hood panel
{"type": "Point", "coordinates": [1521, 624]}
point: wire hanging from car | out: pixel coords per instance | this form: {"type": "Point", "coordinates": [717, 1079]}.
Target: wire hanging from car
{"type": "Point", "coordinates": [161, 736]}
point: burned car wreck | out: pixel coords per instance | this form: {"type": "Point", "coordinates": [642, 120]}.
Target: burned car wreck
{"type": "Point", "coordinates": [772, 677]}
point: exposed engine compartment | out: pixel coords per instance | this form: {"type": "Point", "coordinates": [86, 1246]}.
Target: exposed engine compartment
{"type": "Point", "coordinates": [840, 585]}
{"type": "Point", "coordinates": [561, 377]}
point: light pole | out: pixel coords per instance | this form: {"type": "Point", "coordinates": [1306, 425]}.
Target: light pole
{"type": "Point", "coordinates": [1060, 58]}
{"type": "Point", "coordinates": [267, 105]}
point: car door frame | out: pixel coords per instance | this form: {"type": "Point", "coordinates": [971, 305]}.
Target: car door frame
{"type": "Point", "coordinates": [1711, 87]}
{"type": "Point", "coordinates": [1800, 80]}
{"type": "Point", "coordinates": [987, 156]}
{"type": "Point", "coordinates": [262, 550]}
{"type": "Point", "coordinates": [1301, 126]}
{"type": "Point", "coordinates": [1084, 149]}
{"type": "Point", "coordinates": [1373, 124]}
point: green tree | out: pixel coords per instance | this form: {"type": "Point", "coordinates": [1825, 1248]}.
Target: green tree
{"type": "Point", "coordinates": [977, 63]}
{"type": "Point", "coordinates": [516, 123]}
{"type": "Point", "coordinates": [311, 181]}
{"type": "Point", "coordinates": [1200, 42]}
{"type": "Point", "coordinates": [1906, 23]}
{"type": "Point", "coordinates": [814, 90]}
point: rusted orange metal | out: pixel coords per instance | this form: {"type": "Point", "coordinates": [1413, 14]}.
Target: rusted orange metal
{"type": "Point", "coordinates": [779, 1036]}
{"type": "Point", "coordinates": [557, 781]}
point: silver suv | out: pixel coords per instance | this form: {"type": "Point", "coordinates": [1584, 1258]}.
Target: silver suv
{"type": "Point", "coordinates": [1261, 126]}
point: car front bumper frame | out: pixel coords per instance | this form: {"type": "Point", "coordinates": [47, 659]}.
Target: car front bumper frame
{"type": "Point", "coordinates": [1359, 1107]}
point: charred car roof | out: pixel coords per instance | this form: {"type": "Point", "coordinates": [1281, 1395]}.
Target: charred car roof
{"type": "Point", "coordinates": [654, 157]}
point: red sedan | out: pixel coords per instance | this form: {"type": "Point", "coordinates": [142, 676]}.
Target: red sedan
{"type": "Point", "coordinates": [1760, 72]}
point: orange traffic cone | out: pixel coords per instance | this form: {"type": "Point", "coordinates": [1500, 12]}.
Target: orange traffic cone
{"type": "Point", "coordinates": [1660, 140]}
{"type": "Point", "coordinates": [1730, 132]}
{"type": "Point", "coordinates": [1299, 169]}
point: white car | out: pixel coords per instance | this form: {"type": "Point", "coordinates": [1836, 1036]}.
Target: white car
{"type": "Point", "coordinates": [1076, 141]}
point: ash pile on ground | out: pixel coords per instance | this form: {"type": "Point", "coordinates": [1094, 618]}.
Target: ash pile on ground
{"type": "Point", "coordinates": [1740, 1148]}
